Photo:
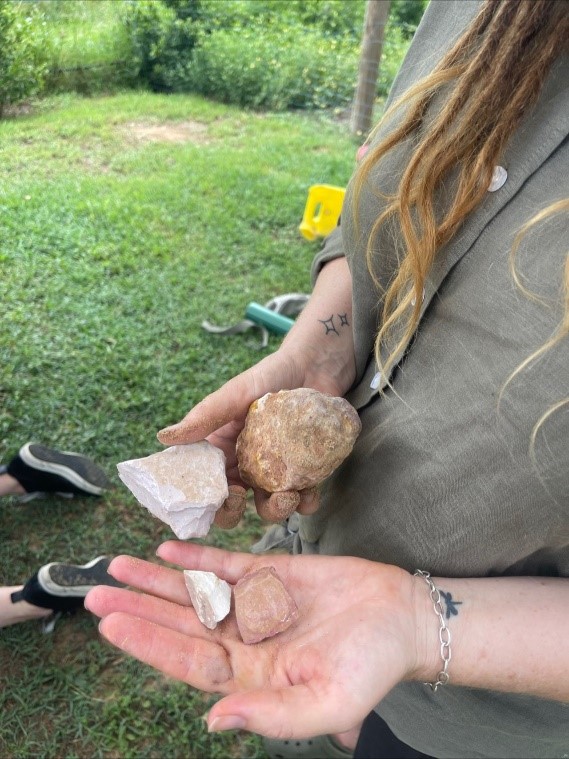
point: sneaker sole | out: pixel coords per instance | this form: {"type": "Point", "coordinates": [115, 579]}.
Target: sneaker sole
{"type": "Point", "coordinates": [88, 574]}
{"type": "Point", "coordinates": [47, 460]}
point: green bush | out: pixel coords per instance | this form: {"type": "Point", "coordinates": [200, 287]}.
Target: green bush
{"type": "Point", "coordinates": [275, 54]}
{"type": "Point", "coordinates": [162, 38]}
{"type": "Point", "coordinates": [185, 9]}
{"type": "Point", "coordinates": [329, 17]}
{"type": "Point", "coordinates": [22, 61]}
{"type": "Point", "coordinates": [256, 53]}
{"type": "Point", "coordinates": [406, 14]}
{"type": "Point", "coordinates": [274, 67]}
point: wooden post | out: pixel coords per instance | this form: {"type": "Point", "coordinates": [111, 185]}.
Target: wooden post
{"type": "Point", "coordinates": [376, 15]}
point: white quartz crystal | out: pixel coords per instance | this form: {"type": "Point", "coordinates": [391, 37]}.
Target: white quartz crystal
{"type": "Point", "coordinates": [183, 486]}
{"type": "Point", "coordinates": [211, 597]}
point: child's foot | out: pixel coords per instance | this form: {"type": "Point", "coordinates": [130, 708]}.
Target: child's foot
{"type": "Point", "coordinates": [45, 470]}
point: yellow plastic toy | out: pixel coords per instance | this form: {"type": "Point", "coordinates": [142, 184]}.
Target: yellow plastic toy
{"type": "Point", "coordinates": [322, 210]}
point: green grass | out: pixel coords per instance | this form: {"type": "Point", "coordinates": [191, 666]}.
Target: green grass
{"type": "Point", "coordinates": [88, 48]}
{"type": "Point", "coordinates": [113, 250]}
{"type": "Point", "coordinates": [84, 33]}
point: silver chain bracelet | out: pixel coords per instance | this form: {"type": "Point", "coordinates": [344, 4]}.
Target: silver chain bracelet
{"type": "Point", "coordinates": [444, 632]}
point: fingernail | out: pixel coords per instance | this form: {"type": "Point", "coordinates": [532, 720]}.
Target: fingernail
{"type": "Point", "coordinates": [86, 601]}
{"type": "Point", "coordinates": [165, 433]}
{"type": "Point", "coordinates": [229, 722]}
{"type": "Point", "coordinates": [205, 716]}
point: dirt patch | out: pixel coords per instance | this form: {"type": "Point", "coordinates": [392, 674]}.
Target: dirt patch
{"type": "Point", "coordinates": [183, 131]}
{"type": "Point", "coordinates": [91, 164]}
{"type": "Point", "coordinates": [14, 111]}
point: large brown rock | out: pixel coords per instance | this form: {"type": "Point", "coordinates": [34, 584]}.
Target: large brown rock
{"type": "Point", "coordinates": [294, 439]}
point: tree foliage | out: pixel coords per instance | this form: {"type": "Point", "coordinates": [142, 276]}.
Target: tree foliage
{"type": "Point", "coordinates": [406, 14]}
{"type": "Point", "coordinates": [275, 54]}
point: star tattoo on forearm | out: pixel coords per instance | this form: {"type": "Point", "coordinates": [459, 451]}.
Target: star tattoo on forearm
{"type": "Point", "coordinates": [330, 324]}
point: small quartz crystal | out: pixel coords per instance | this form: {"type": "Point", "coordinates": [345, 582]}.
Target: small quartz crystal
{"type": "Point", "coordinates": [263, 606]}
{"type": "Point", "coordinates": [183, 486]}
{"type": "Point", "coordinates": [211, 596]}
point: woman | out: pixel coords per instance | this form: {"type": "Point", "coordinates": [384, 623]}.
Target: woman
{"type": "Point", "coordinates": [447, 330]}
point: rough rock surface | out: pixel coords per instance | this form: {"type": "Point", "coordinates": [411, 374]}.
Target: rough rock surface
{"type": "Point", "coordinates": [294, 439]}
{"type": "Point", "coordinates": [263, 606]}
{"type": "Point", "coordinates": [211, 596]}
{"type": "Point", "coordinates": [183, 486]}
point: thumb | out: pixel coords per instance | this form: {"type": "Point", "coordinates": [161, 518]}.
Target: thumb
{"type": "Point", "coordinates": [230, 402]}
{"type": "Point", "coordinates": [297, 711]}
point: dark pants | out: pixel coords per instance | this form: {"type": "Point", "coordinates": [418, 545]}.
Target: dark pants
{"type": "Point", "coordinates": [376, 741]}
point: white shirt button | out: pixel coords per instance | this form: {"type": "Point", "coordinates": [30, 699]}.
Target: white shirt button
{"type": "Point", "coordinates": [499, 176]}
{"type": "Point", "coordinates": [374, 384]}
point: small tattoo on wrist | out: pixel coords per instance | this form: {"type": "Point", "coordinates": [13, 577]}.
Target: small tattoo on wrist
{"type": "Point", "coordinates": [450, 604]}
{"type": "Point", "coordinates": [330, 324]}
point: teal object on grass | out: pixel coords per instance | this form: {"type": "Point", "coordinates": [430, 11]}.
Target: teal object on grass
{"type": "Point", "coordinates": [270, 319]}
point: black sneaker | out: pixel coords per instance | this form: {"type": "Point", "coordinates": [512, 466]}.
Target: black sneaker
{"type": "Point", "coordinates": [63, 587]}
{"type": "Point", "coordinates": [45, 470]}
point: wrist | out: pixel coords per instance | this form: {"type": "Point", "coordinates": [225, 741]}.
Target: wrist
{"type": "Point", "coordinates": [432, 631]}
{"type": "Point", "coordinates": [330, 369]}
{"type": "Point", "coordinates": [321, 339]}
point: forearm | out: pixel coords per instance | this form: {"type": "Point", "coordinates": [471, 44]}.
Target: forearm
{"type": "Point", "coordinates": [323, 331]}
{"type": "Point", "coordinates": [507, 633]}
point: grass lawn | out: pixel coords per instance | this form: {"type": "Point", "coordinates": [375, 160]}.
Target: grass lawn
{"type": "Point", "coordinates": [125, 222]}
{"type": "Point", "coordinates": [84, 33]}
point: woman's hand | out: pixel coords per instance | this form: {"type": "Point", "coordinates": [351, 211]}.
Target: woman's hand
{"type": "Point", "coordinates": [311, 355]}
{"type": "Point", "coordinates": [354, 639]}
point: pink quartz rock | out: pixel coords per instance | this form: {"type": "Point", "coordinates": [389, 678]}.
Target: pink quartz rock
{"type": "Point", "coordinates": [263, 606]}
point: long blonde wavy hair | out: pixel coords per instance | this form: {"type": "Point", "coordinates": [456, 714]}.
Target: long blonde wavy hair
{"type": "Point", "coordinates": [511, 43]}
{"type": "Point", "coordinates": [561, 206]}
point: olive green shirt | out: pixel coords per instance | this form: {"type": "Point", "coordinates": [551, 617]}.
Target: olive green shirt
{"type": "Point", "coordinates": [442, 477]}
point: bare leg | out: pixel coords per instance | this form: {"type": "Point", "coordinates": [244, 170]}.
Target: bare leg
{"type": "Point", "coordinates": [10, 486]}
{"type": "Point", "coordinates": [21, 611]}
